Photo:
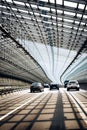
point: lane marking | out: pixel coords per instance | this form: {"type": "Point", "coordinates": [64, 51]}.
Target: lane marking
{"type": "Point", "coordinates": [9, 113]}
{"type": "Point", "coordinates": [84, 117]}
{"type": "Point", "coordinates": [82, 105]}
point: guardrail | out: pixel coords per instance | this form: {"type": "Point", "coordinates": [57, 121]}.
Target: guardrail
{"type": "Point", "coordinates": [10, 90]}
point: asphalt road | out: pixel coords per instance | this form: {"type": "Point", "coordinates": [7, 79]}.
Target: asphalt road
{"type": "Point", "coordinates": [48, 110]}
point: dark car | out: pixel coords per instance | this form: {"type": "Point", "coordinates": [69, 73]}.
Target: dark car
{"type": "Point", "coordinates": [46, 86]}
{"type": "Point", "coordinates": [54, 86]}
{"type": "Point", "coordinates": [36, 87]}
{"type": "Point", "coordinates": [65, 83]}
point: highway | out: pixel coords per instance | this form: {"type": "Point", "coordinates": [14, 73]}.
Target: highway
{"type": "Point", "coordinates": [48, 110]}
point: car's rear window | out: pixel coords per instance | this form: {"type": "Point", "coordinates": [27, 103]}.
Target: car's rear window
{"type": "Point", "coordinates": [35, 84]}
{"type": "Point", "coordinates": [72, 82]}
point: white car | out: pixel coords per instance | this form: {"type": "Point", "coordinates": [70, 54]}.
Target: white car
{"type": "Point", "coordinates": [73, 84]}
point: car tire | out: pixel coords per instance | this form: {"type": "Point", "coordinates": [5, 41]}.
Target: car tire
{"type": "Point", "coordinates": [77, 89]}
{"type": "Point", "coordinates": [31, 91]}
{"type": "Point", "coordinates": [67, 89]}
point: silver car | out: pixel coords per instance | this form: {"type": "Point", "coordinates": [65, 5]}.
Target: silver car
{"type": "Point", "coordinates": [73, 84]}
{"type": "Point", "coordinates": [36, 87]}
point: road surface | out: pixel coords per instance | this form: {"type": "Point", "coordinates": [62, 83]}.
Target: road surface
{"type": "Point", "coordinates": [48, 110]}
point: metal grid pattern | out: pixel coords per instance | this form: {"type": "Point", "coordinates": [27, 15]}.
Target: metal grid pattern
{"type": "Point", "coordinates": [16, 62]}
{"type": "Point", "coordinates": [45, 22]}
{"type": "Point", "coordinates": [57, 23]}
{"type": "Point", "coordinates": [78, 71]}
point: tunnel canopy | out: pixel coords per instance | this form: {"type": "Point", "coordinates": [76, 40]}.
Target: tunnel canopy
{"type": "Point", "coordinates": [43, 40]}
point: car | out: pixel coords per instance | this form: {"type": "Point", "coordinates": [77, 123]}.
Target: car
{"type": "Point", "coordinates": [54, 86]}
{"type": "Point", "coordinates": [65, 83]}
{"type": "Point", "coordinates": [46, 85]}
{"type": "Point", "coordinates": [36, 86]}
{"type": "Point", "coordinates": [73, 84]}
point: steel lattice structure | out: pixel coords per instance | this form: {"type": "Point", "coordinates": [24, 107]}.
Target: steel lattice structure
{"type": "Point", "coordinates": [54, 23]}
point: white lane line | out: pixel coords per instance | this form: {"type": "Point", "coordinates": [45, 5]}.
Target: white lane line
{"type": "Point", "coordinates": [84, 117]}
{"type": "Point", "coordinates": [82, 105]}
{"type": "Point", "coordinates": [1, 118]}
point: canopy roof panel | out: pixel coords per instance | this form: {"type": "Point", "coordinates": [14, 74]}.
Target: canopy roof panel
{"type": "Point", "coordinates": [51, 32]}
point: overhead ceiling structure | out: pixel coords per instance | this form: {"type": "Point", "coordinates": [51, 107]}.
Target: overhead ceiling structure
{"type": "Point", "coordinates": [43, 40]}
